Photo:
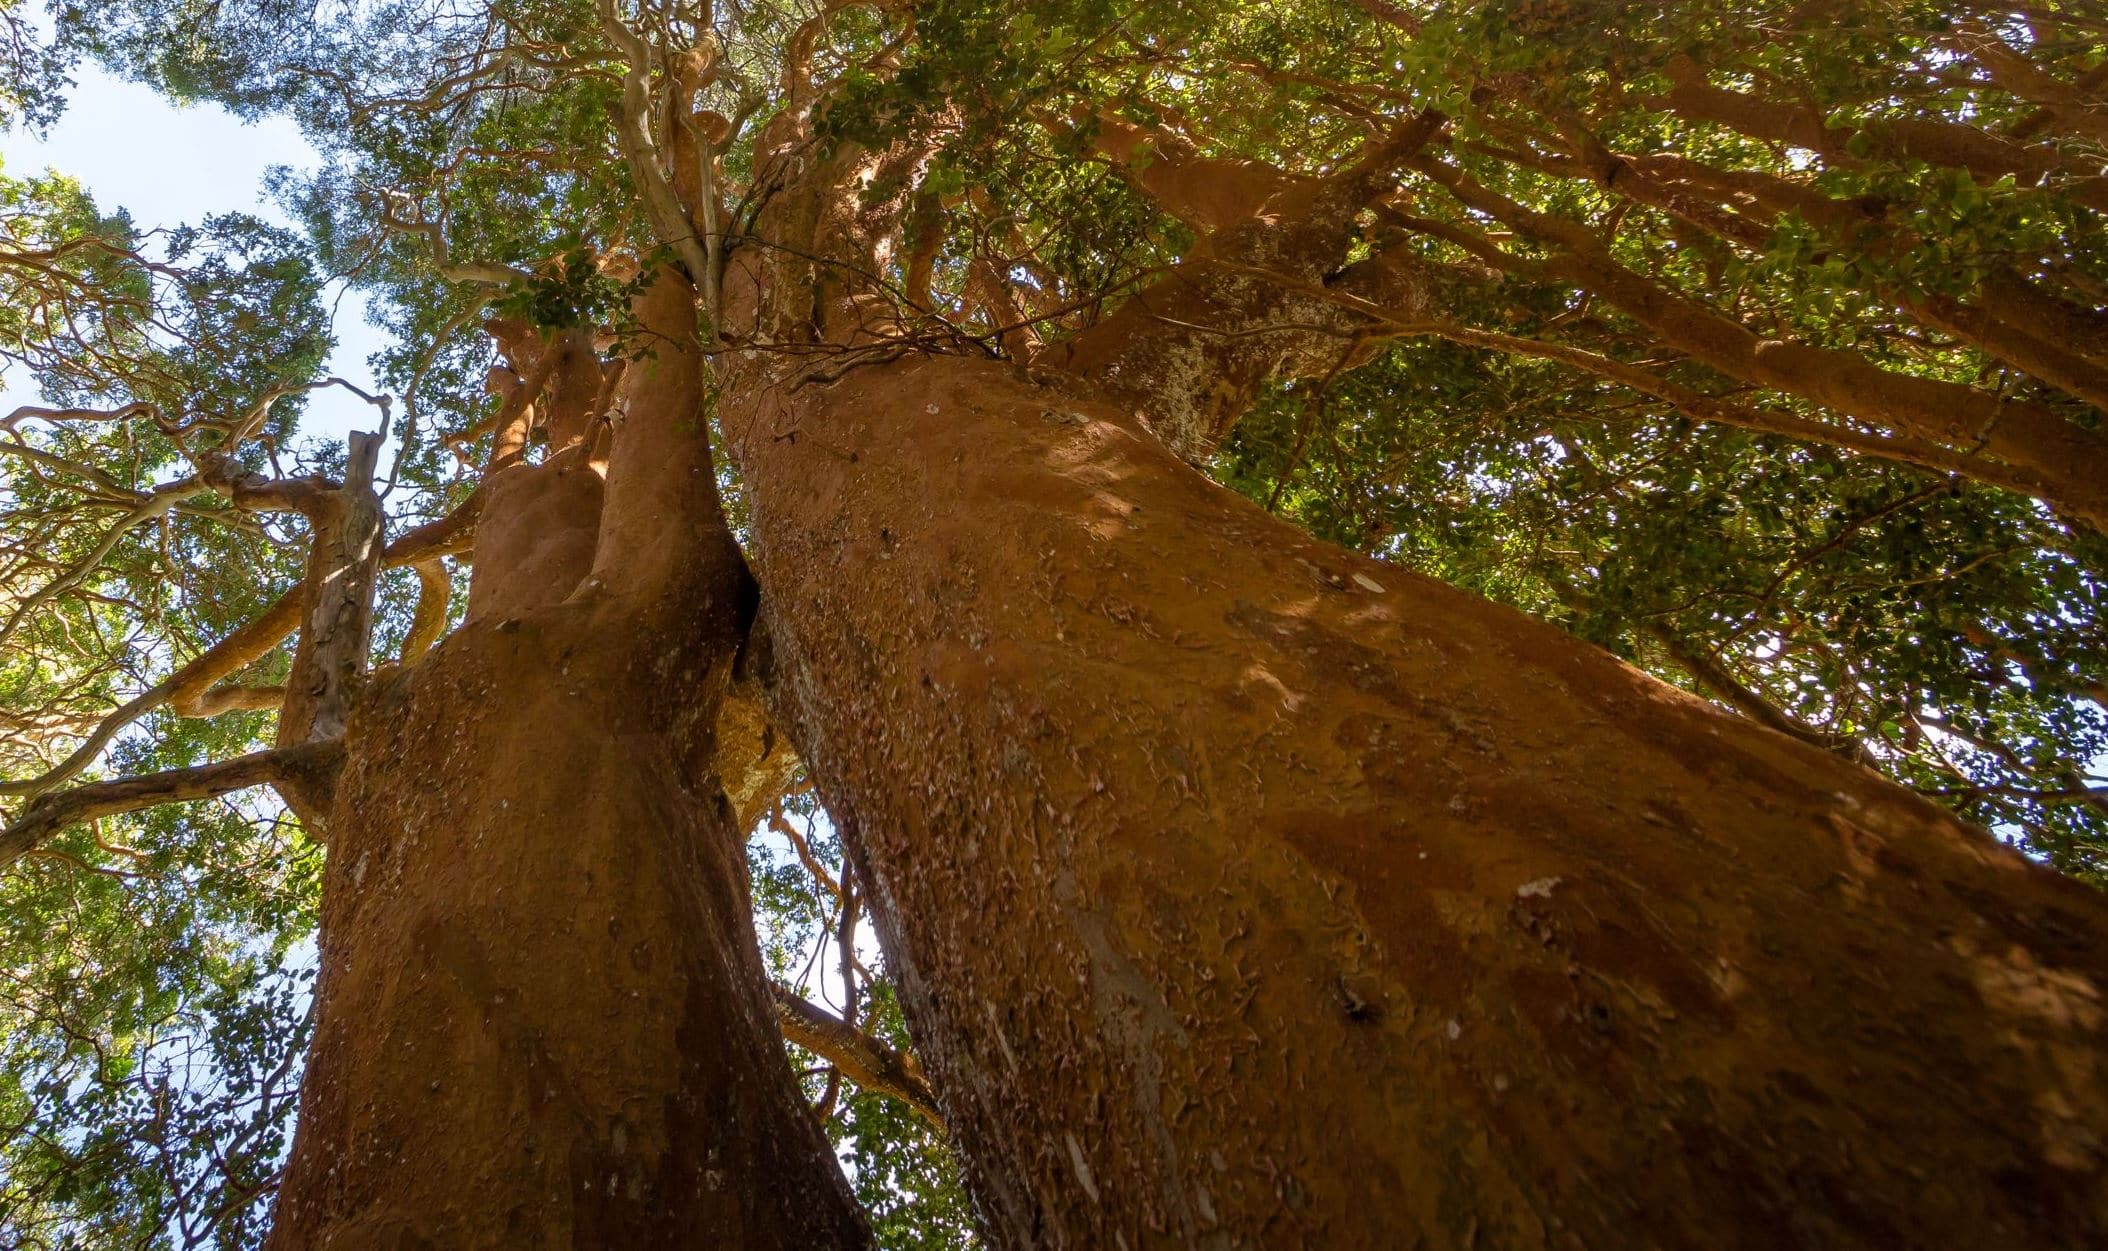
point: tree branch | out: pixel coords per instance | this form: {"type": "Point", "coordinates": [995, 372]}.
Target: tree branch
{"type": "Point", "coordinates": [450, 535]}
{"type": "Point", "coordinates": [1239, 309]}
{"type": "Point", "coordinates": [1721, 683]}
{"type": "Point", "coordinates": [1956, 145]}
{"type": "Point", "coordinates": [190, 690]}
{"type": "Point", "coordinates": [859, 1057]}
{"type": "Point", "coordinates": [633, 135]}
{"type": "Point", "coordinates": [486, 273]}
{"type": "Point", "coordinates": [2069, 460]}
{"type": "Point", "coordinates": [435, 591]}
{"type": "Point", "coordinates": [234, 697]}
{"type": "Point", "coordinates": [184, 689]}
{"type": "Point", "coordinates": [313, 765]}
{"type": "Point", "coordinates": [342, 568]}
{"type": "Point", "coordinates": [151, 505]}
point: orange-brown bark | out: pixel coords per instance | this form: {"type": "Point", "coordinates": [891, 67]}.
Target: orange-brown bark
{"type": "Point", "coordinates": [541, 1018]}
{"type": "Point", "coordinates": [1246, 892]}
{"type": "Point", "coordinates": [1253, 299]}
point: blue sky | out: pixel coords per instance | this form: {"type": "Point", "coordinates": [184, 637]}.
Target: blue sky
{"type": "Point", "coordinates": [169, 165]}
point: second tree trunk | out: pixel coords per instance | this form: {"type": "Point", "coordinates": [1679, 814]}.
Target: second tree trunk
{"type": "Point", "coordinates": [541, 1020]}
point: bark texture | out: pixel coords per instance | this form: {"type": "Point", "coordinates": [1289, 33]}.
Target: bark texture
{"type": "Point", "coordinates": [542, 1020]}
{"type": "Point", "coordinates": [1250, 893]}
{"type": "Point", "coordinates": [330, 653]}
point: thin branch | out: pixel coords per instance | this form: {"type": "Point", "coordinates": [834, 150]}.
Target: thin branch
{"type": "Point", "coordinates": [182, 688]}
{"type": "Point", "coordinates": [859, 1057]}
{"type": "Point", "coordinates": [311, 763]}
{"type": "Point", "coordinates": [804, 849]}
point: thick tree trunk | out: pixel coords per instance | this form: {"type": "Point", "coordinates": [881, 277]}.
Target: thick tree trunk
{"type": "Point", "coordinates": [542, 1020]}
{"type": "Point", "coordinates": [1247, 892]}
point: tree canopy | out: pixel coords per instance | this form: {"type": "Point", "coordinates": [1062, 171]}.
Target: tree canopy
{"type": "Point", "coordinates": [1764, 347]}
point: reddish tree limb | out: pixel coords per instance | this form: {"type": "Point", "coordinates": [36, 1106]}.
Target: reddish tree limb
{"type": "Point", "coordinates": [1921, 453]}
{"type": "Point", "coordinates": [1994, 327]}
{"type": "Point", "coordinates": [234, 697]}
{"type": "Point", "coordinates": [662, 528]}
{"type": "Point", "coordinates": [1377, 323]}
{"type": "Point", "coordinates": [1980, 152]}
{"type": "Point", "coordinates": [2066, 106]}
{"type": "Point", "coordinates": [1200, 341]}
{"type": "Point", "coordinates": [514, 420]}
{"type": "Point", "coordinates": [450, 535]}
{"type": "Point", "coordinates": [435, 591]}
{"type": "Point", "coordinates": [188, 689]}
{"type": "Point", "coordinates": [2050, 115]}
{"type": "Point", "coordinates": [2070, 461]}
{"type": "Point", "coordinates": [804, 849]}
{"type": "Point", "coordinates": [184, 689]}
{"type": "Point", "coordinates": [575, 396]}
{"type": "Point", "coordinates": [1384, 11]}
{"type": "Point", "coordinates": [1208, 194]}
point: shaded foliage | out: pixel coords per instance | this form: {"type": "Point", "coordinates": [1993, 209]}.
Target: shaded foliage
{"type": "Point", "coordinates": [1913, 185]}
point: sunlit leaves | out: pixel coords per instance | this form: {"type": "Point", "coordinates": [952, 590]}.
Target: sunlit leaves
{"type": "Point", "coordinates": [1953, 632]}
{"type": "Point", "coordinates": [151, 1022]}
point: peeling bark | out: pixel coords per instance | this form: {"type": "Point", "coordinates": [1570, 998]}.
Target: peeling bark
{"type": "Point", "coordinates": [330, 656]}
{"type": "Point", "coordinates": [871, 1064]}
{"type": "Point", "coordinates": [1254, 299]}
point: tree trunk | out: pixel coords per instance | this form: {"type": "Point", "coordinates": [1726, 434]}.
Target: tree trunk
{"type": "Point", "coordinates": [542, 1019]}
{"type": "Point", "coordinates": [1247, 892]}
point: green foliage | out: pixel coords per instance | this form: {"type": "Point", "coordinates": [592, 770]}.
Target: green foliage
{"type": "Point", "coordinates": [153, 1012]}
{"type": "Point", "coordinates": [33, 69]}
{"type": "Point", "coordinates": [902, 1171]}
{"type": "Point", "coordinates": [151, 1029]}
{"type": "Point", "coordinates": [1948, 633]}
{"type": "Point", "coordinates": [1952, 632]}
{"type": "Point", "coordinates": [571, 292]}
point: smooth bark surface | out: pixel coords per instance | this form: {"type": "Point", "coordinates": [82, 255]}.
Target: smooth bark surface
{"type": "Point", "coordinates": [1248, 892]}
{"type": "Point", "coordinates": [542, 1019]}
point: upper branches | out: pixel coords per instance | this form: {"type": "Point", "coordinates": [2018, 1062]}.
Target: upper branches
{"type": "Point", "coordinates": [1870, 234]}
{"type": "Point", "coordinates": [1253, 298]}
{"type": "Point", "coordinates": [148, 505]}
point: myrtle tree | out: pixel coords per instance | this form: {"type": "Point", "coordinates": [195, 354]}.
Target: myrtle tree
{"type": "Point", "coordinates": [1194, 492]}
